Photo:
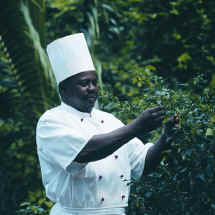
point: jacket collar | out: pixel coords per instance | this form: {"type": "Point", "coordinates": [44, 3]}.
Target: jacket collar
{"type": "Point", "coordinates": [73, 110]}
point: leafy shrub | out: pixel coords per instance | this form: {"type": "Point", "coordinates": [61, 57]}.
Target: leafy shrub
{"type": "Point", "coordinates": [184, 182]}
{"type": "Point", "coordinates": [40, 207]}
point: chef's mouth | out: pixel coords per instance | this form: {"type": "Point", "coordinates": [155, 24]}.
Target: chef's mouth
{"type": "Point", "coordinates": [92, 99]}
{"type": "Point", "coordinates": [92, 96]}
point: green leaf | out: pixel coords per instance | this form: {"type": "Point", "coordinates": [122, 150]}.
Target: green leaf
{"type": "Point", "coordinates": [209, 132]}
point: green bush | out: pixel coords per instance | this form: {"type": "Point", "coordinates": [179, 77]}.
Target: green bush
{"type": "Point", "coordinates": [27, 208]}
{"type": "Point", "coordinates": [184, 182]}
{"type": "Point", "coordinates": [135, 41]}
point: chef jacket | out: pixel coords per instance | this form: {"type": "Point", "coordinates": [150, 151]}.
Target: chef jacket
{"type": "Point", "coordinates": [99, 187]}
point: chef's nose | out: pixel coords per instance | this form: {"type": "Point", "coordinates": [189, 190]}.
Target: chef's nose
{"type": "Point", "coordinates": [92, 86]}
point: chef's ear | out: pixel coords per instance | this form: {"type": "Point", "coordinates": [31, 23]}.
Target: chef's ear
{"type": "Point", "coordinates": [62, 89]}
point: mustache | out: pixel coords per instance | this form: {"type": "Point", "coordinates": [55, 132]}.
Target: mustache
{"type": "Point", "coordinates": [92, 95]}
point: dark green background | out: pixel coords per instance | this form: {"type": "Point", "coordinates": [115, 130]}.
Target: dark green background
{"type": "Point", "coordinates": [148, 52]}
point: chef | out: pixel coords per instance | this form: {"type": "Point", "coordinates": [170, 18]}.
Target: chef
{"type": "Point", "coordinates": [88, 156]}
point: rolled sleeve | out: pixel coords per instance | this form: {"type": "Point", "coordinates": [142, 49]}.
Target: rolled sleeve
{"type": "Point", "coordinates": [137, 154]}
{"type": "Point", "coordinates": [61, 144]}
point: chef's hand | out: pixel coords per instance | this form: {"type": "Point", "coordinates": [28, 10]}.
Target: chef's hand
{"type": "Point", "coordinates": [170, 127]}
{"type": "Point", "coordinates": [154, 154]}
{"type": "Point", "coordinates": [150, 119]}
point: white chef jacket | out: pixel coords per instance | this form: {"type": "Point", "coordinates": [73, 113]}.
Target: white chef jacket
{"type": "Point", "coordinates": [99, 187]}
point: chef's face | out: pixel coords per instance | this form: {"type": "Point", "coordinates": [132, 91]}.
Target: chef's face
{"type": "Point", "coordinates": [82, 90]}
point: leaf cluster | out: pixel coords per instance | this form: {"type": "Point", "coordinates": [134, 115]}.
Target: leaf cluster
{"type": "Point", "coordinates": [148, 53]}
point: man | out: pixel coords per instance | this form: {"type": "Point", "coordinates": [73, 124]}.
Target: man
{"type": "Point", "coordinates": [87, 155]}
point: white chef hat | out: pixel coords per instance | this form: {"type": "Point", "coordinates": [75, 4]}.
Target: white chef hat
{"type": "Point", "coordinates": [69, 56]}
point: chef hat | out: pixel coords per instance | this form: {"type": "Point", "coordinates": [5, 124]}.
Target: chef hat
{"type": "Point", "coordinates": [69, 56]}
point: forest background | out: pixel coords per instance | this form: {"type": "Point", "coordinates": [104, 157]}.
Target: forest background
{"type": "Point", "coordinates": [147, 53]}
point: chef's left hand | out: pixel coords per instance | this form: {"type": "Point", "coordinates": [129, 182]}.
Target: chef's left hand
{"type": "Point", "coordinates": [170, 127]}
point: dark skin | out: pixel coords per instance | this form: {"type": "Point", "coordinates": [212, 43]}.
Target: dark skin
{"type": "Point", "coordinates": [80, 91]}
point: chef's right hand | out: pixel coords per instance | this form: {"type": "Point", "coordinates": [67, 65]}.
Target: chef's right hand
{"type": "Point", "coordinates": [150, 119]}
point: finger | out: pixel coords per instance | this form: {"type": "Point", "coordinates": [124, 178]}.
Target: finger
{"type": "Point", "coordinates": [159, 119]}
{"type": "Point", "coordinates": [176, 119]}
{"type": "Point", "coordinates": [156, 109]}
{"type": "Point", "coordinates": [176, 116]}
{"type": "Point", "coordinates": [170, 122]}
{"type": "Point", "coordinates": [158, 114]}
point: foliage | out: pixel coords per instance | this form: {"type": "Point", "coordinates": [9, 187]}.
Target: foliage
{"type": "Point", "coordinates": [41, 207]}
{"type": "Point", "coordinates": [25, 83]}
{"type": "Point", "coordinates": [179, 33]}
{"type": "Point", "coordinates": [149, 53]}
{"type": "Point", "coordinates": [188, 167]}
{"type": "Point", "coordinates": [30, 209]}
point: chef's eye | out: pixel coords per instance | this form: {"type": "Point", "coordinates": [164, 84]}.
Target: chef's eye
{"type": "Point", "coordinates": [83, 83]}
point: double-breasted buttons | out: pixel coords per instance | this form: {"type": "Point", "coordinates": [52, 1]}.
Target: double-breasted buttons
{"type": "Point", "coordinates": [123, 197]}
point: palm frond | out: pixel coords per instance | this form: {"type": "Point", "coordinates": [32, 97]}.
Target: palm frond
{"type": "Point", "coordinates": [39, 52]}
{"type": "Point", "coordinates": [32, 72]}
